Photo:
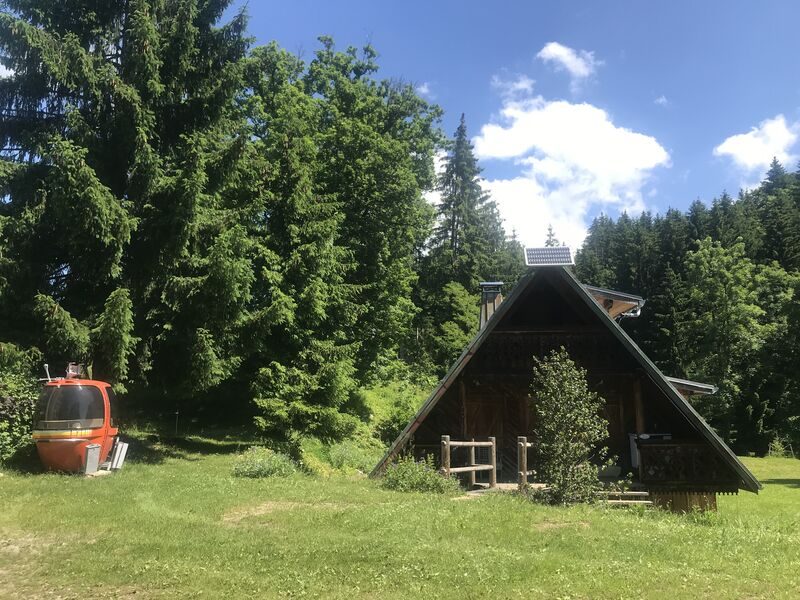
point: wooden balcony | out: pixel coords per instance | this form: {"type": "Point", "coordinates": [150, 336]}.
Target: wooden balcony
{"type": "Point", "coordinates": [683, 465]}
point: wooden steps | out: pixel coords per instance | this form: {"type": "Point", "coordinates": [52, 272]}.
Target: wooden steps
{"type": "Point", "coordinates": [626, 498]}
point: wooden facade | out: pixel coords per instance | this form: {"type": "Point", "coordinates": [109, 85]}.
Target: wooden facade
{"type": "Point", "coordinates": [653, 431]}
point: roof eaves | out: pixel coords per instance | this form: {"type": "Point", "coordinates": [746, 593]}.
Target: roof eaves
{"type": "Point", "coordinates": [615, 295]}
{"type": "Point", "coordinates": [694, 386]}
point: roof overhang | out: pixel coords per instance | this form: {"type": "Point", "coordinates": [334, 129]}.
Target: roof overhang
{"type": "Point", "coordinates": [691, 388]}
{"type": "Point", "coordinates": [616, 303]}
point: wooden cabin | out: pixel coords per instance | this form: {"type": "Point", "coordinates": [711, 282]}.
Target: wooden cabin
{"type": "Point", "coordinates": [654, 431]}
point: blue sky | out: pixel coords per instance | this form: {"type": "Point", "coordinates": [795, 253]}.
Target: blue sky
{"type": "Point", "coordinates": [581, 107]}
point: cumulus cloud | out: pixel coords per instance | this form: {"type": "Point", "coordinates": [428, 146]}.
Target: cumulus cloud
{"type": "Point", "coordinates": [521, 85]}
{"type": "Point", "coordinates": [752, 152]}
{"type": "Point", "coordinates": [573, 161]}
{"type": "Point", "coordinates": [662, 100]}
{"type": "Point", "coordinates": [580, 64]}
{"type": "Point", "coordinates": [424, 90]}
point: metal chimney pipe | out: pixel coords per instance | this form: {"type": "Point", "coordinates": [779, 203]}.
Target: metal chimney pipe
{"type": "Point", "coordinates": [491, 297]}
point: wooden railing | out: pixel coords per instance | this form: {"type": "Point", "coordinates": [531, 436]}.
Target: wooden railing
{"type": "Point", "coordinates": [522, 461]}
{"type": "Point", "coordinates": [473, 467]}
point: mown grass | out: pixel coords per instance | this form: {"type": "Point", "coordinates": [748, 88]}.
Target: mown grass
{"type": "Point", "coordinates": [178, 525]}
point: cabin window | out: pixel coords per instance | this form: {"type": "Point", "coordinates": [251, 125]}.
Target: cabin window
{"type": "Point", "coordinates": [112, 404]}
{"type": "Point", "coordinates": [69, 407]}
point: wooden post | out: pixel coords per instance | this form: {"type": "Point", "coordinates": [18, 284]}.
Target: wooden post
{"type": "Point", "coordinates": [638, 405]}
{"type": "Point", "coordinates": [472, 480]}
{"type": "Point", "coordinates": [522, 460]}
{"type": "Point", "coordinates": [462, 394]}
{"type": "Point", "coordinates": [639, 412]}
{"type": "Point", "coordinates": [446, 455]}
{"type": "Point", "coordinates": [493, 457]}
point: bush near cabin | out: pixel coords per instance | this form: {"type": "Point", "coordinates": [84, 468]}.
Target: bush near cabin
{"type": "Point", "coordinates": [408, 475]}
{"type": "Point", "coordinates": [18, 392]}
{"type": "Point", "coordinates": [569, 432]}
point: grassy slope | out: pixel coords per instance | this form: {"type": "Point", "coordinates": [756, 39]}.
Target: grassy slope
{"type": "Point", "coordinates": [180, 526]}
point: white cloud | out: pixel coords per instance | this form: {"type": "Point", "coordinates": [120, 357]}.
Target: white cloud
{"type": "Point", "coordinates": [424, 90]}
{"type": "Point", "coordinates": [573, 162]}
{"type": "Point", "coordinates": [662, 100]}
{"type": "Point", "coordinates": [5, 72]}
{"type": "Point", "coordinates": [580, 64]}
{"type": "Point", "coordinates": [752, 152]}
{"type": "Point", "coordinates": [434, 197]}
{"type": "Point", "coordinates": [521, 85]}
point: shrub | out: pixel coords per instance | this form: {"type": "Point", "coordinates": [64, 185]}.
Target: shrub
{"type": "Point", "coordinates": [569, 430]}
{"type": "Point", "coordinates": [314, 457]}
{"type": "Point", "coordinates": [401, 411]}
{"type": "Point", "coordinates": [16, 418]}
{"type": "Point", "coordinates": [777, 448]}
{"type": "Point", "coordinates": [18, 393]}
{"type": "Point", "coordinates": [407, 475]}
{"type": "Point", "coordinates": [263, 462]}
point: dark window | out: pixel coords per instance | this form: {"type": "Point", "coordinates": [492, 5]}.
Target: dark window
{"type": "Point", "coordinates": [69, 407]}
{"type": "Point", "coordinates": [113, 406]}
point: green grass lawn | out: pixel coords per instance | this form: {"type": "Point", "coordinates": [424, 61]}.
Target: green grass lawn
{"type": "Point", "coordinates": [174, 523]}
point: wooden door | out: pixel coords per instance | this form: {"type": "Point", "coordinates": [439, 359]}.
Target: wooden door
{"type": "Point", "coordinates": [484, 418]}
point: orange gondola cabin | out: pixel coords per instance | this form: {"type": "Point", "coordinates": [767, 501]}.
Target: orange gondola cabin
{"type": "Point", "coordinates": [71, 414]}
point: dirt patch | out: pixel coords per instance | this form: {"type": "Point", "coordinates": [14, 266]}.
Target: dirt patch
{"type": "Point", "coordinates": [18, 553]}
{"type": "Point", "coordinates": [236, 516]}
{"type": "Point", "coordinates": [19, 543]}
{"type": "Point", "coordinates": [550, 525]}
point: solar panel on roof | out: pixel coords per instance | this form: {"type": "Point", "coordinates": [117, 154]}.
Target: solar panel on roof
{"type": "Point", "coordinates": [553, 256]}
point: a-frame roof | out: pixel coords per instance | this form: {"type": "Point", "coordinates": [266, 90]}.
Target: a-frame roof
{"type": "Point", "coordinates": [747, 479]}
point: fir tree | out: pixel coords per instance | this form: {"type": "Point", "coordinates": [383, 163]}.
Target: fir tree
{"type": "Point", "coordinates": [304, 309]}
{"type": "Point", "coordinates": [122, 146]}
{"type": "Point", "coordinates": [469, 231]}
{"type": "Point", "coordinates": [777, 178]}
{"type": "Point", "coordinates": [551, 240]}
{"type": "Point", "coordinates": [376, 141]}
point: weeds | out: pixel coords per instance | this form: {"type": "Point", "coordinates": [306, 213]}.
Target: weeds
{"type": "Point", "coordinates": [407, 475]}
{"type": "Point", "coordinates": [263, 462]}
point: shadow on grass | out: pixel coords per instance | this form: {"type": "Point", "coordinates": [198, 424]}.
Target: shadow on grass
{"type": "Point", "coordinates": [152, 448]}
{"type": "Point", "coordinates": [25, 461]}
{"type": "Point", "coordinates": [144, 448]}
{"type": "Point", "coordinates": [792, 483]}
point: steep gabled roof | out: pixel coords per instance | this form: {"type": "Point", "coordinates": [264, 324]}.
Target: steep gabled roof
{"type": "Point", "coordinates": [747, 480]}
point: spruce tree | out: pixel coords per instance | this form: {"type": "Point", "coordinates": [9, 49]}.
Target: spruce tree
{"type": "Point", "coordinates": [303, 310]}
{"type": "Point", "coordinates": [551, 240]}
{"type": "Point", "coordinates": [469, 230]}
{"type": "Point", "coordinates": [468, 245]}
{"type": "Point", "coordinates": [376, 140]}
{"type": "Point", "coordinates": [776, 178]}
{"type": "Point", "coordinates": [122, 146]}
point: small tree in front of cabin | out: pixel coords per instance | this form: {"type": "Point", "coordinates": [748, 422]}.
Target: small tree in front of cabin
{"type": "Point", "coordinates": [569, 432]}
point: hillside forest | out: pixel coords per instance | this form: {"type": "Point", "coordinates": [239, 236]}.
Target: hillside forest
{"type": "Point", "coordinates": [236, 233]}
